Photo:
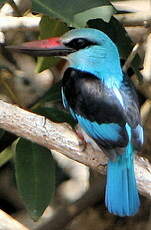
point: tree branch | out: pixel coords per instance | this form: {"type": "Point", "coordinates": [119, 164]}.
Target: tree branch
{"type": "Point", "coordinates": [135, 19]}
{"type": "Point", "coordinates": [132, 6]}
{"type": "Point", "coordinates": [9, 223]}
{"type": "Point", "coordinates": [19, 23]}
{"type": "Point", "coordinates": [62, 138]}
{"type": "Point", "coordinates": [147, 64]}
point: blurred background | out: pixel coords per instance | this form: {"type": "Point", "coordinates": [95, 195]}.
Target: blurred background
{"type": "Point", "coordinates": [78, 203]}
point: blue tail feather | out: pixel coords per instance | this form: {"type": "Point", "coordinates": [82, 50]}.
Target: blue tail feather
{"type": "Point", "coordinates": [121, 192]}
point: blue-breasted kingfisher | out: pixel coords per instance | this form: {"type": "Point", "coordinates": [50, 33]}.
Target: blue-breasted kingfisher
{"type": "Point", "coordinates": [104, 102]}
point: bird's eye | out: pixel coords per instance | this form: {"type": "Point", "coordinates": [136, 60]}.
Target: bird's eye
{"type": "Point", "coordinates": [79, 43]}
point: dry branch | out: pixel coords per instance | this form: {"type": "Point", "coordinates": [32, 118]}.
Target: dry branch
{"type": "Point", "coordinates": [147, 60]}
{"type": "Point", "coordinates": [19, 23]}
{"type": "Point", "coordinates": [61, 138]}
{"type": "Point", "coordinates": [132, 6]}
{"type": "Point", "coordinates": [135, 19]}
{"type": "Point", "coordinates": [8, 223]}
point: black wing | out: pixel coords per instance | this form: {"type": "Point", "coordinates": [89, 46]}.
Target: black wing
{"type": "Point", "coordinates": [130, 100]}
{"type": "Point", "coordinates": [90, 98]}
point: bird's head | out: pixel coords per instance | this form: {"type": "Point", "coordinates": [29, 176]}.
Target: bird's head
{"type": "Point", "coordinates": [83, 48]}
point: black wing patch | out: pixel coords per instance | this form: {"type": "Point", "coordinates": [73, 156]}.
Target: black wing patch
{"type": "Point", "coordinates": [130, 100]}
{"type": "Point", "coordinates": [89, 97]}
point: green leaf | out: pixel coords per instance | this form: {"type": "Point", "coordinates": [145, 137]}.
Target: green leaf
{"type": "Point", "coordinates": [57, 28]}
{"type": "Point", "coordinates": [56, 115]}
{"type": "Point", "coordinates": [120, 37]}
{"type": "Point", "coordinates": [35, 176]}
{"type": "Point", "coordinates": [6, 155]}
{"type": "Point", "coordinates": [66, 9]}
{"type": "Point", "coordinates": [104, 12]}
{"type": "Point", "coordinates": [2, 1]}
{"type": "Point", "coordinates": [53, 94]}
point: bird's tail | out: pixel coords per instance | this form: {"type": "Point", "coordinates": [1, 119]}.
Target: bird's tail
{"type": "Point", "coordinates": [121, 192]}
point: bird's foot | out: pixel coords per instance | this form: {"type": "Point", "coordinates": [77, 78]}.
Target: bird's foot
{"type": "Point", "coordinates": [82, 141]}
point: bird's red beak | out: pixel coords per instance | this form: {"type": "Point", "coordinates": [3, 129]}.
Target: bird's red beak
{"type": "Point", "coordinates": [46, 47]}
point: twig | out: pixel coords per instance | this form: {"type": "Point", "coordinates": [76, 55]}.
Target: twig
{"type": "Point", "coordinates": [7, 222]}
{"type": "Point", "coordinates": [15, 7]}
{"type": "Point", "coordinates": [131, 57]}
{"type": "Point", "coordinates": [147, 60]}
{"type": "Point", "coordinates": [145, 110]}
{"type": "Point", "coordinates": [135, 50]}
{"type": "Point", "coordinates": [135, 19]}
{"type": "Point", "coordinates": [136, 32]}
{"type": "Point", "coordinates": [132, 6]}
{"type": "Point", "coordinates": [62, 138]}
{"type": "Point", "coordinates": [19, 23]}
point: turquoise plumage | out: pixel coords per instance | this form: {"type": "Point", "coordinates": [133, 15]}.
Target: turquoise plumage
{"type": "Point", "coordinates": [121, 192]}
{"type": "Point", "coordinates": [103, 101]}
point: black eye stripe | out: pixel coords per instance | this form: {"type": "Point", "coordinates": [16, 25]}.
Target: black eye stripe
{"type": "Point", "coordinates": [79, 43]}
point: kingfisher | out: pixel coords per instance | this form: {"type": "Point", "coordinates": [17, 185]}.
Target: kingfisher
{"type": "Point", "coordinates": [103, 101]}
